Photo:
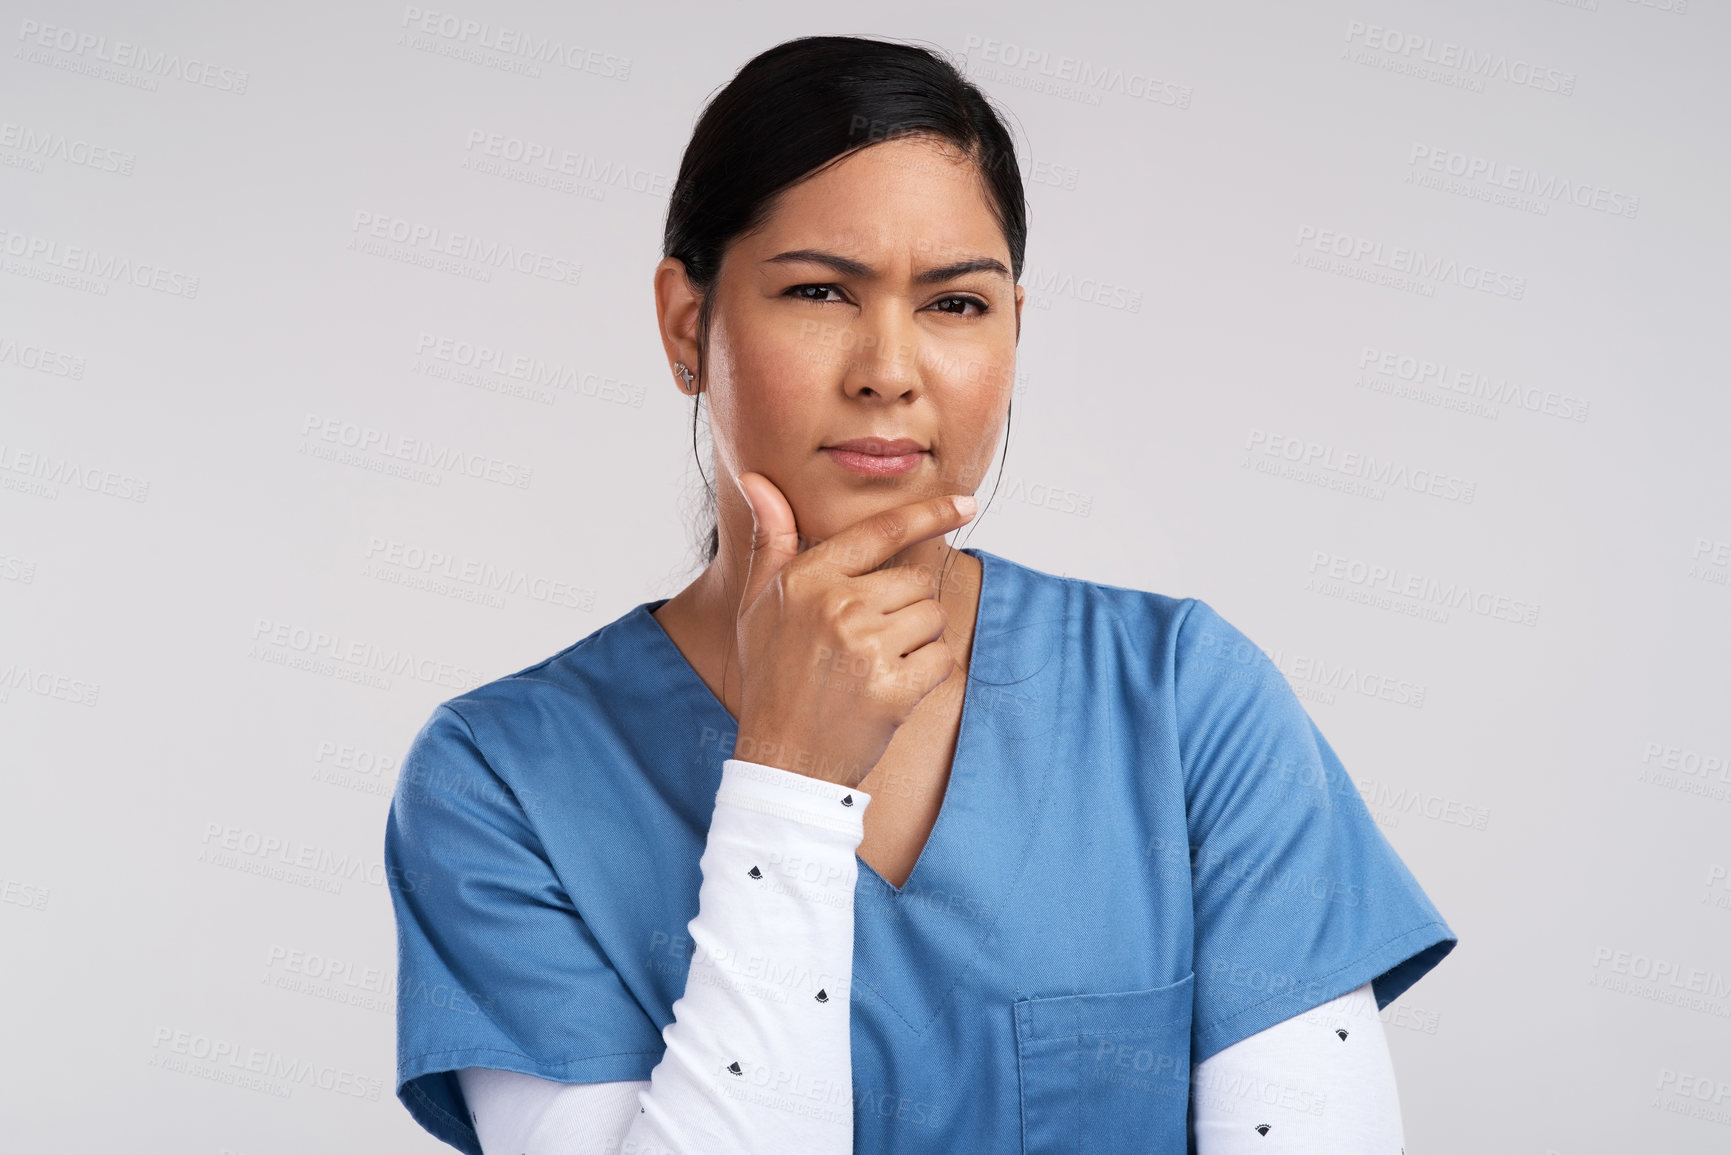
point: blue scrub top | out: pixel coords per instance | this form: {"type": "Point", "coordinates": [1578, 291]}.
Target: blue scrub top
{"type": "Point", "coordinates": [1146, 852]}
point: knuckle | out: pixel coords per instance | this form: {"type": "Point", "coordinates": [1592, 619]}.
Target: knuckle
{"type": "Point", "coordinates": [849, 638]}
{"type": "Point", "coordinates": [837, 605]}
{"type": "Point", "coordinates": [890, 524]}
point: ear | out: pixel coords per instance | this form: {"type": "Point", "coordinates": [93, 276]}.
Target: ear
{"type": "Point", "coordinates": [676, 307]}
{"type": "Point", "coordinates": [1021, 295]}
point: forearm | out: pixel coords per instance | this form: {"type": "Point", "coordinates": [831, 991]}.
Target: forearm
{"type": "Point", "coordinates": [758, 1053]}
{"type": "Point", "coordinates": [1319, 1083]}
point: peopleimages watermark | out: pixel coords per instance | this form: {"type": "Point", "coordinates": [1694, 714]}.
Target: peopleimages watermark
{"type": "Point", "coordinates": [467, 578]}
{"type": "Point", "coordinates": [40, 359]}
{"type": "Point", "coordinates": [1705, 774]}
{"type": "Point", "coordinates": [1238, 659]}
{"type": "Point", "coordinates": [1469, 383]}
{"type": "Point", "coordinates": [1544, 188]}
{"type": "Point", "coordinates": [327, 990]}
{"type": "Point", "coordinates": [1412, 49]}
{"type": "Point", "coordinates": [1386, 803]}
{"type": "Point", "coordinates": [514, 373]}
{"type": "Point", "coordinates": [368, 661]}
{"type": "Point", "coordinates": [47, 684]}
{"type": "Point", "coordinates": [37, 145]}
{"type": "Point", "coordinates": [1358, 467]}
{"type": "Point", "coordinates": [1340, 576]}
{"type": "Point", "coordinates": [353, 768]}
{"type": "Point", "coordinates": [17, 569]}
{"type": "Point", "coordinates": [89, 270]}
{"type": "Point", "coordinates": [287, 859]}
{"type": "Point", "coordinates": [1696, 1096]}
{"type": "Point", "coordinates": [1070, 77]}
{"type": "Point", "coordinates": [1718, 884]}
{"type": "Point", "coordinates": [1237, 1091]}
{"type": "Point", "coordinates": [1710, 561]}
{"type": "Point", "coordinates": [325, 968]}
{"type": "Point", "coordinates": [1663, 980]}
{"type": "Point", "coordinates": [563, 162]}
{"type": "Point", "coordinates": [1213, 868]}
{"type": "Point", "coordinates": [23, 894]}
{"type": "Point", "coordinates": [413, 451]}
{"type": "Point", "coordinates": [1056, 175]}
{"type": "Point", "coordinates": [1407, 267]}
{"type": "Point", "coordinates": [254, 1068]}
{"type": "Point", "coordinates": [47, 472]}
{"type": "Point", "coordinates": [432, 242]}
{"type": "Point", "coordinates": [515, 42]}
{"type": "Point", "coordinates": [1087, 290]}
{"type": "Point", "coordinates": [87, 46]}
{"type": "Point", "coordinates": [1318, 678]}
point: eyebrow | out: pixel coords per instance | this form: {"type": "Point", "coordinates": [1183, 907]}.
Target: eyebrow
{"type": "Point", "coordinates": [847, 266]}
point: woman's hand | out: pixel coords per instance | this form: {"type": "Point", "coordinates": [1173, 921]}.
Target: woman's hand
{"type": "Point", "coordinates": [833, 657]}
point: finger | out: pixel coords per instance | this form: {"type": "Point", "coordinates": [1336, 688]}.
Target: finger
{"type": "Point", "coordinates": [894, 586]}
{"type": "Point", "coordinates": [774, 537]}
{"type": "Point", "coordinates": [921, 671]}
{"type": "Point", "coordinates": [913, 626]}
{"type": "Point", "coordinates": [871, 541]}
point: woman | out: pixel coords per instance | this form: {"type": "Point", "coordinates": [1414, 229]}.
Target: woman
{"type": "Point", "coordinates": [862, 842]}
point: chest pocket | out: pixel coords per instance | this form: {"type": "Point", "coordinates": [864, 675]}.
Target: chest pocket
{"type": "Point", "coordinates": [1105, 1072]}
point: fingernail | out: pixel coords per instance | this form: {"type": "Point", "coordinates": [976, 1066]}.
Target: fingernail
{"type": "Point", "coordinates": [965, 504]}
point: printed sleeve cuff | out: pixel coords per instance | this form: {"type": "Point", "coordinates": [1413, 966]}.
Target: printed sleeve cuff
{"type": "Point", "coordinates": [772, 790]}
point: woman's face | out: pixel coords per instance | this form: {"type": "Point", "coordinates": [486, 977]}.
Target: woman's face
{"type": "Point", "coordinates": [875, 302]}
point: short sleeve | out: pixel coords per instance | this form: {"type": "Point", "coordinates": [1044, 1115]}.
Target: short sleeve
{"type": "Point", "coordinates": [495, 967]}
{"type": "Point", "coordinates": [1299, 898]}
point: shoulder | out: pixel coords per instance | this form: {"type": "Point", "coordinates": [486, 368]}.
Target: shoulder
{"type": "Point", "coordinates": [1184, 637]}
{"type": "Point", "coordinates": [1078, 599]}
{"type": "Point", "coordinates": [509, 752]}
{"type": "Point", "coordinates": [584, 672]}
{"type": "Point", "coordinates": [510, 721]}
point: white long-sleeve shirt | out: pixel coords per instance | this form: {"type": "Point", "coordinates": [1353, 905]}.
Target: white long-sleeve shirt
{"type": "Point", "coordinates": [778, 877]}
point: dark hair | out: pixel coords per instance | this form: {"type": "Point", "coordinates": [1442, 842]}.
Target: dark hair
{"type": "Point", "coordinates": [802, 106]}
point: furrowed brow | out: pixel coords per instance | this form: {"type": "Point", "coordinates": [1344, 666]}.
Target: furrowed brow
{"type": "Point", "coordinates": [961, 269]}
{"type": "Point", "coordinates": [844, 265]}
{"type": "Point", "coordinates": [847, 266]}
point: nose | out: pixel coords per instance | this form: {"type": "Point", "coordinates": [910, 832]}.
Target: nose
{"type": "Point", "coordinates": [885, 364]}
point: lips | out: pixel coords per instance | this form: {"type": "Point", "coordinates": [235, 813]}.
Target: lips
{"type": "Point", "coordinates": [879, 447]}
{"type": "Point", "coordinates": [877, 456]}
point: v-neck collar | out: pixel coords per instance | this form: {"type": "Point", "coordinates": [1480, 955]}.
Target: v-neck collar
{"type": "Point", "coordinates": [977, 848]}
{"type": "Point", "coordinates": [986, 627]}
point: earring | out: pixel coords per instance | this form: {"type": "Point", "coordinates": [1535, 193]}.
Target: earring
{"type": "Point", "coordinates": [687, 376]}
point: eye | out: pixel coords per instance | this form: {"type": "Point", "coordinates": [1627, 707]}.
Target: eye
{"type": "Point", "coordinates": [799, 291]}
{"type": "Point", "coordinates": [944, 305]}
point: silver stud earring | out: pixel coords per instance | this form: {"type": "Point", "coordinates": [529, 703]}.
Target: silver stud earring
{"type": "Point", "coordinates": [686, 376]}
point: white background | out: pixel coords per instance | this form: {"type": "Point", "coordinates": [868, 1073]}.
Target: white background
{"type": "Point", "coordinates": [172, 540]}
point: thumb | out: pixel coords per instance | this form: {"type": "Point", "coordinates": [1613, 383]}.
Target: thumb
{"type": "Point", "coordinates": [774, 536]}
